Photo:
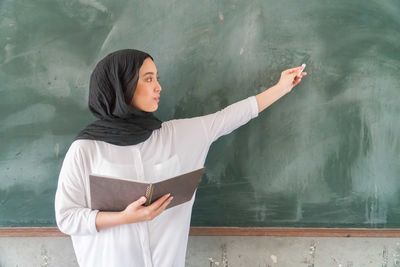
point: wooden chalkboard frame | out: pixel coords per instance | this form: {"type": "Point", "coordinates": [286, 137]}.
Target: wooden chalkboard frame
{"type": "Point", "coordinates": [229, 231]}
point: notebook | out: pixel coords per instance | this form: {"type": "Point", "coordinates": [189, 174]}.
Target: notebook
{"type": "Point", "coordinates": [115, 194]}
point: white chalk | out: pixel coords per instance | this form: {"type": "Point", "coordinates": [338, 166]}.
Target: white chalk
{"type": "Point", "coordinates": [303, 66]}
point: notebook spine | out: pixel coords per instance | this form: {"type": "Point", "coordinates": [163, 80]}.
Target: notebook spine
{"type": "Point", "coordinates": [149, 194]}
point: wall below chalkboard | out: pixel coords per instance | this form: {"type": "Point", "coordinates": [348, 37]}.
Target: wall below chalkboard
{"type": "Point", "coordinates": [227, 251]}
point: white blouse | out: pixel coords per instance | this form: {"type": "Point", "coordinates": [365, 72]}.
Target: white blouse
{"type": "Point", "coordinates": [179, 146]}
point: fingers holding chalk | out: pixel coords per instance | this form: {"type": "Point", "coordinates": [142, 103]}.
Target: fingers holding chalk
{"type": "Point", "coordinates": [302, 67]}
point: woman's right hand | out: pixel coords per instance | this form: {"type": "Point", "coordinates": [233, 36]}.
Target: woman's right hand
{"type": "Point", "coordinates": [136, 212]}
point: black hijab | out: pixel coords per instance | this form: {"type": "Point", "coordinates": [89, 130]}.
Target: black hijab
{"type": "Point", "coordinates": [112, 85]}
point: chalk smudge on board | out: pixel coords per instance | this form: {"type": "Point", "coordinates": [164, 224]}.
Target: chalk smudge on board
{"type": "Point", "coordinates": [93, 3]}
{"type": "Point", "coordinates": [57, 150]}
{"type": "Point", "coordinates": [37, 113]}
{"type": "Point", "coordinates": [221, 16]}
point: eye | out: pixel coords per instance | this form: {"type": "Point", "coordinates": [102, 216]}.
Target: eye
{"type": "Point", "coordinates": [151, 78]}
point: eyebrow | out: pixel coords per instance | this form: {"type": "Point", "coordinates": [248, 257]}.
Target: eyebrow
{"type": "Point", "coordinates": [147, 73]}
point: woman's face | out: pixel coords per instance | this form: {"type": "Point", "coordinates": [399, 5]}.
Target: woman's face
{"type": "Point", "coordinates": [147, 93]}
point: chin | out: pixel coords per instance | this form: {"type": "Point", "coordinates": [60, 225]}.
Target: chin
{"type": "Point", "coordinates": [153, 109]}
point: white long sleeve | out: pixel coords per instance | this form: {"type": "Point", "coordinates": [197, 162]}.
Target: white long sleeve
{"type": "Point", "coordinates": [73, 216]}
{"type": "Point", "coordinates": [193, 137]}
{"type": "Point", "coordinates": [230, 118]}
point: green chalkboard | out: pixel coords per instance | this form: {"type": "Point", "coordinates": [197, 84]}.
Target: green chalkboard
{"type": "Point", "coordinates": [326, 155]}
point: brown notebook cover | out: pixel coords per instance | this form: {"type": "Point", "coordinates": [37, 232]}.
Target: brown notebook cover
{"type": "Point", "coordinates": [113, 194]}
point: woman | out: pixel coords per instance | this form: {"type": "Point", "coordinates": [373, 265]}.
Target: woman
{"type": "Point", "coordinates": [128, 141]}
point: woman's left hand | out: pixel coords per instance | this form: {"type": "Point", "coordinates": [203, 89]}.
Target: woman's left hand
{"type": "Point", "coordinates": [290, 78]}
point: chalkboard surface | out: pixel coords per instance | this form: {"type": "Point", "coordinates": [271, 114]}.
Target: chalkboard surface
{"type": "Point", "coordinates": [326, 155]}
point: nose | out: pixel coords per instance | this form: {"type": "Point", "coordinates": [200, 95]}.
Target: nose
{"type": "Point", "coordinates": [158, 87]}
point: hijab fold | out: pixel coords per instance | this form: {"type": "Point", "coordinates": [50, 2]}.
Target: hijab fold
{"type": "Point", "coordinates": [112, 86]}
